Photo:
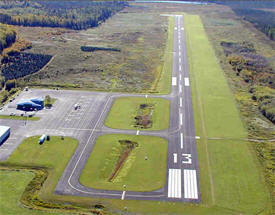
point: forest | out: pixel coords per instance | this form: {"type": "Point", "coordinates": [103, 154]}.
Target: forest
{"type": "Point", "coordinates": [7, 36]}
{"type": "Point", "coordinates": [75, 15]}
{"type": "Point", "coordinates": [259, 13]}
{"type": "Point", "coordinates": [19, 64]}
{"type": "Point", "coordinates": [255, 71]}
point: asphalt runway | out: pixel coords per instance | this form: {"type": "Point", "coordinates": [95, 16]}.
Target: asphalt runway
{"type": "Point", "coordinates": [87, 123]}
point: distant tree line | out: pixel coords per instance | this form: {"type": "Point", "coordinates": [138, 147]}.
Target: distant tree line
{"type": "Point", "coordinates": [7, 36]}
{"type": "Point", "coordinates": [95, 48]}
{"type": "Point", "coordinates": [20, 64]}
{"type": "Point", "coordinates": [259, 13]}
{"type": "Point", "coordinates": [67, 14]}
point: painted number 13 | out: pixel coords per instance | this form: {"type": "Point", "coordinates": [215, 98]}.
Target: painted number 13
{"type": "Point", "coordinates": [187, 158]}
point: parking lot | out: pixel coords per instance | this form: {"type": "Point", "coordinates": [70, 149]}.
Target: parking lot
{"type": "Point", "coordinates": [62, 119]}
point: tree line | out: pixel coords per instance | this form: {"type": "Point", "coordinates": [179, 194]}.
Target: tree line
{"type": "Point", "coordinates": [66, 14]}
{"type": "Point", "coordinates": [7, 36]}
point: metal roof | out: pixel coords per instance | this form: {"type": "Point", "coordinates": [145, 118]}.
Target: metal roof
{"type": "Point", "coordinates": [28, 102]}
{"type": "Point", "coordinates": [3, 129]}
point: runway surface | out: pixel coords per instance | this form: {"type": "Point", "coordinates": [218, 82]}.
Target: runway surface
{"type": "Point", "coordinates": [87, 123]}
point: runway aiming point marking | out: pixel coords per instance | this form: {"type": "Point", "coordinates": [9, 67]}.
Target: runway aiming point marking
{"type": "Point", "coordinates": [174, 81]}
{"type": "Point", "coordinates": [186, 82]}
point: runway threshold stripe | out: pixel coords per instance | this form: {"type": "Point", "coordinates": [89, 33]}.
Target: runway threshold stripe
{"type": "Point", "coordinates": [190, 184]}
{"type": "Point", "coordinates": [174, 183]}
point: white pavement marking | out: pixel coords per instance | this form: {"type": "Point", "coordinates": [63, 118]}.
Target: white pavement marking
{"type": "Point", "coordinates": [175, 28]}
{"type": "Point", "coordinates": [123, 195]}
{"type": "Point", "coordinates": [180, 77]}
{"type": "Point", "coordinates": [181, 119]}
{"type": "Point", "coordinates": [175, 157]}
{"type": "Point", "coordinates": [180, 67]}
{"type": "Point", "coordinates": [197, 137]}
{"type": "Point", "coordinates": [181, 140]}
{"type": "Point", "coordinates": [179, 53]}
{"type": "Point", "coordinates": [137, 132]}
{"type": "Point", "coordinates": [174, 183]}
{"type": "Point", "coordinates": [3, 149]}
{"type": "Point", "coordinates": [180, 102]}
{"type": "Point", "coordinates": [146, 96]}
{"type": "Point", "coordinates": [180, 89]}
{"type": "Point", "coordinates": [182, 28]}
{"type": "Point", "coordinates": [179, 47]}
{"type": "Point", "coordinates": [174, 81]}
{"type": "Point", "coordinates": [190, 184]}
{"type": "Point", "coordinates": [186, 82]}
{"type": "Point", "coordinates": [179, 40]}
{"type": "Point", "coordinates": [180, 60]}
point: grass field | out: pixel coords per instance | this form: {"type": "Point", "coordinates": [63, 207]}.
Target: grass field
{"type": "Point", "coordinates": [34, 118]}
{"type": "Point", "coordinates": [230, 176]}
{"type": "Point", "coordinates": [53, 155]}
{"type": "Point", "coordinates": [136, 173]}
{"type": "Point", "coordinates": [13, 184]}
{"type": "Point", "coordinates": [124, 109]}
{"type": "Point", "coordinates": [164, 84]}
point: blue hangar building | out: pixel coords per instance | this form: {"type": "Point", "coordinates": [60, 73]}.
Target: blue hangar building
{"type": "Point", "coordinates": [31, 104]}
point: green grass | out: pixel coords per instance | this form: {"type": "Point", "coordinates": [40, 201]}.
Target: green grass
{"type": "Point", "coordinates": [164, 84]}
{"type": "Point", "coordinates": [230, 177]}
{"type": "Point", "coordinates": [124, 109]}
{"type": "Point", "coordinates": [53, 154]}
{"type": "Point", "coordinates": [34, 118]}
{"type": "Point", "coordinates": [13, 184]}
{"type": "Point", "coordinates": [136, 173]}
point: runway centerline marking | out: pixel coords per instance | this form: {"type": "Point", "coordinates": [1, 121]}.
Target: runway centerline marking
{"type": "Point", "coordinates": [180, 118]}
{"type": "Point", "coordinates": [180, 89]}
{"type": "Point", "coordinates": [180, 102]}
{"type": "Point", "coordinates": [180, 77]}
{"type": "Point", "coordinates": [181, 140]}
{"type": "Point", "coordinates": [179, 67]}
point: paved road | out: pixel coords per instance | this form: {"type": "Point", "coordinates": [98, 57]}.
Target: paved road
{"type": "Point", "coordinates": [87, 124]}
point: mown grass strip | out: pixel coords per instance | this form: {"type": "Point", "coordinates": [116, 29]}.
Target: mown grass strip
{"type": "Point", "coordinates": [164, 84]}
{"type": "Point", "coordinates": [229, 175]}
{"type": "Point", "coordinates": [34, 118]}
{"type": "Point", "coordinates": [38, 169]}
